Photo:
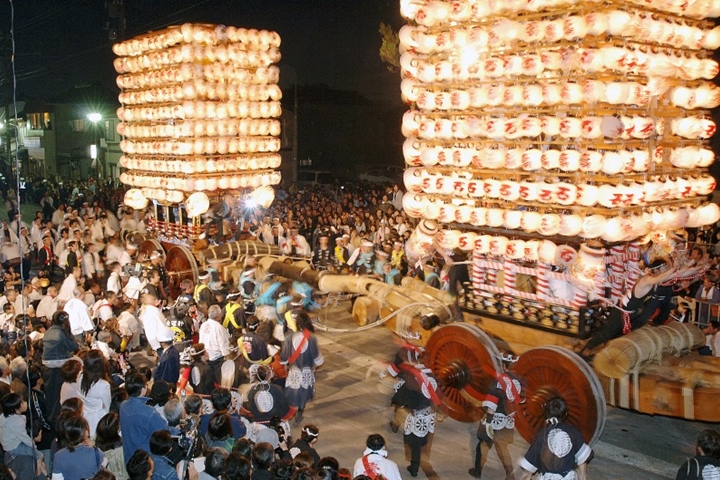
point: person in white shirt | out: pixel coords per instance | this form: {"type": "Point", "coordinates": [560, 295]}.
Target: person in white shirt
{"type": "Point", "coordinates": [712, 339]}
{"type": "Point", "coordinates": [34, 290]}
{"type": "Point", "coordinates": [153, 322]}
{"type": "Point", "coordinates": [112, 220]}
{"type": "Point", "coordinates": [114, 283]}
{"type": "Point", "coordinates": [374, 461]}
{"type": "Point", "coordinates": [103, 308]}
{"type": "Point", "coordinates": [129, 327]}
{"type": "Point", "coordinates": [112, 251]}
{"type": "Point", "coordinates": [68, 286]}
{"type": "Point", "coordinates": [296, 245]}
{"type": "Point", "coordinates": [128, 221]}
{"type": "Point", "coordinates": [101, 231]}
{"type": "Point", "coordinates": [80, 324]}
{"type": "Point", "coordinates": [127, 255]}
{"type": "Point", "coordinates": [49, 304]}
{"type": "Point", "coordinates": [88, 261]}
{"type": "Point", "coordinates": [216, 339]}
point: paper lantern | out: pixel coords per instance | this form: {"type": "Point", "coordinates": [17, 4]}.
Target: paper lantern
{"type": "Point", "coordinates": [498, 245]}
{"type": "Point", "coordinates": [466, 241]}
{"type": "Point", "coordinates": [482, 244]}
{"type": "Point", "coordinates": [531, 250]}
{"type": "Point", "coordinates": [515, 249]}
{"type": "Point", "coordinates": [448, 239]}
{"type": "Point", "coordinates": [593, 226]}
{"type": "Point", "coordinates": [546, 252]}
{"type": "Point", "coordinates": [135, 198]}
{"type": "Point", "coordinates": [513, 219]}
{"type": "Point", "coordinates": [570, 225]}
{"type": "Point", "coordinates": [530, 221]}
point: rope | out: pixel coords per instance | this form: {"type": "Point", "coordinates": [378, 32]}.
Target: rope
{"type": "Point", "coordinates": [377, 323]}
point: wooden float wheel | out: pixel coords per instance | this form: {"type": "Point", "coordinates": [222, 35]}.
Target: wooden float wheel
{"type": "Point", "coordinates": [149, 246]}
{"type": "Point", "coordinates": [180, 264]}
{"type": "Point", "coordinates": [551, 371]}
{"type": "Point", "coordinates": [465, 362]}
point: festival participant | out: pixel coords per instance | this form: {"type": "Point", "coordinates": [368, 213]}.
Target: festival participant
{"type": "Point", "coordinates": [341, 255]}
{"type": "Point", "coordinates": [631, 315]}
{"type": "Point", "coordinates": [296, 245]}
{"type": "Point", "coordinates": [362, 260]}
{"type": "Point", "coordinates": [497, 429]}
{"type": "Point", "coordinates": [81, 325]}
{"type": "Point", "coordinates": [114, 282]}
{"type": "Point", "coordinates": [154, 323]}
{"type": "Point", "coordinates": [69, 284]}
{"type": "Point", "coordinates": [415, 401]}
{"type": "Point", "coordinates": [202, 295]}
{"type": "Point", "coordinates": [48, 304]}
{"type": "Point", "coordinates": [558, 450]}
{"type": "Point", "coordinates": [706, 462]}
{"type": "Point", "coordinates": [322, 257]}
{"type": "Point", "coordinates": [309, 436]}
{"type": "Point", "coordinates": [265, 400]}
{"type": "Point", "coordinates": [202, 377]}
{"type": "Point", "coordinates": [374, 461]}
{"type": "Point", "coordinates": [301, 353]}
{"type": "Point", "coordinates": [252, 346]}
{"type": "Point", "coordinates": [221, 400]}
{"type": "Point", "coordinates": [215, 338]}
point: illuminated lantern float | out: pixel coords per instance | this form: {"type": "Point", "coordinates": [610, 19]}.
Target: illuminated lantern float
{"type": "Point", "coordinates": [551, 139]}
{"type": "Point", "coordinates": [199, 119]}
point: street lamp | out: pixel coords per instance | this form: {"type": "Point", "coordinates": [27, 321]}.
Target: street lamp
{"type": "Point", "coordinates": [95, 117]}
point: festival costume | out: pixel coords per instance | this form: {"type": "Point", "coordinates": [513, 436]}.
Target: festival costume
{"type": "Point", "coordinates": [301, 353]}
{"type": "Point", "coordinates": [498, 428]}
{"type": "Point", "coordinates": [699, 467]}
{"type": "Point", "coordinates": [555, 452]}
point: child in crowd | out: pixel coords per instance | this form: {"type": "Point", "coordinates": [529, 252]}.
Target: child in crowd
{"type": "Point", "coordinates": [13, 435]}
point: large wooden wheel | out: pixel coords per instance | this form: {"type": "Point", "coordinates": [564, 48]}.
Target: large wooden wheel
{"type": "Point", "coordinates": [464, 361]}
{"type": "Point", "coordinates": [555, 371]}
{"type": "Point", "coordinates": [180, 264]}
{"type": "Point", "coordinates": [149, 246]}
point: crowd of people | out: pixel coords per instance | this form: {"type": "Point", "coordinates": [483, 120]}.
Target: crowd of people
{"type": "Point", "coordinates": [226, 368]}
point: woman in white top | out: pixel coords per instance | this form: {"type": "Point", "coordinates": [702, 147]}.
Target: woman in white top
{"type": "Point", "coordinates": [95, 389]}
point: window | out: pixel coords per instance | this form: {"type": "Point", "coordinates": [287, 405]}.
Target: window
{"type": "Point", "coordinates": [110, 130]}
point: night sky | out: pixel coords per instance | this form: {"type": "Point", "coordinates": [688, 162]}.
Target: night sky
{"type": "Point", "coordinates": [60, 43]}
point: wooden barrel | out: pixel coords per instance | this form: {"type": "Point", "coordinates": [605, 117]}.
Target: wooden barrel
{"type": "Point", "coordinates": [149, 246]}
{"type": "Point", "coordinates": [418, 286]}
{"type": "Point", "coordinates": [365, 310]}
{"type": "Point", "coordinates": [233, 250]}
{"type": "Point", "coordinates": [645, 344]}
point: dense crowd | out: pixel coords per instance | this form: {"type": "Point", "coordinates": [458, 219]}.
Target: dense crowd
{"type": "Point", "coordinates": [220, 371]}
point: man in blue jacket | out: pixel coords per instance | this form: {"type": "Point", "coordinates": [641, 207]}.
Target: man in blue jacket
{"type": "Point", "coordinates": [138, 420]}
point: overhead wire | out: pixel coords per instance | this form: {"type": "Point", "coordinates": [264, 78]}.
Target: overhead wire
{"type": "Point", "coordinates": [19, 222]}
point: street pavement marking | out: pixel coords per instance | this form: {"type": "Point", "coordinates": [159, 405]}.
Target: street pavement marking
{"type": "Point", "coordinates": [635, 459]}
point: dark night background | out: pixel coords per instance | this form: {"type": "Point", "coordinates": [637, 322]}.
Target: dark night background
{"type": "Point", "coordinates": [349, 103]}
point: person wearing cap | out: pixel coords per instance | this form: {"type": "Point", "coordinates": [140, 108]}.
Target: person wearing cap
{"type": "Point", "coordinates": [322, 255]}
{"type": "Point", "coordinates": [374, 461]}
{"type": "Point", "coordinates": [202, 293]}
{"type": "Point", "coordinates": [153, 322]}
{"type": "Point", "coordinates": [127, 255]}
{"type": "Point", "coordinates": [81, 325]}
{"type": "Point", "coordinates": [168, 366]}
